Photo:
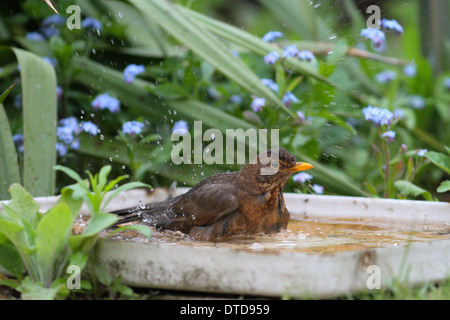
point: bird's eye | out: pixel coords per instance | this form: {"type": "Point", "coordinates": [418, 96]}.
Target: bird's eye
{"type": "Point", "coordinates": [275, 164]}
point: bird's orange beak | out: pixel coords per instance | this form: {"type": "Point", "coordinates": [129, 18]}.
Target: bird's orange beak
{"type": "Point", "coordinates": [301, 166]}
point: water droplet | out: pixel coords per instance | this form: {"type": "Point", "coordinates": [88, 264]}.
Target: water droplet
{"type": "Point", "coordinates": [301, 236]}
{"type": "Point", "coordinates": [257, 246]}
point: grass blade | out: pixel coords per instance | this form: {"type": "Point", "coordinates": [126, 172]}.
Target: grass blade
{"type": "Point", "coordinates": [251, 42]}
{"type": "Point", "coordinates": [9, 167]}
{"type": "Point", "coordinates": [201, 41]}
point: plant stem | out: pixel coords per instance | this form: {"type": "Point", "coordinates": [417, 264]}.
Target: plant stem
{"type": "Point", "coordinates": [386, 169]}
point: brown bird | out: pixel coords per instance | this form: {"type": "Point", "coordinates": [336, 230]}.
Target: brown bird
{"type": "Point", "coordinates": [244, 202]}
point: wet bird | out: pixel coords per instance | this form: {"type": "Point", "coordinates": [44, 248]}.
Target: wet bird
{"type": "Point", "coordinates": [245, 202]}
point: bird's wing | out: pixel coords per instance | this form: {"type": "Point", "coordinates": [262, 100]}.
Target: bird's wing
{"type": "Point", "coordinates": [208, 203]}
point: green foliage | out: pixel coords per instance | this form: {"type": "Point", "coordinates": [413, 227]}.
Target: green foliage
{"type": "Point", "coordinates": [43, 245]}
{"type": "Point", "coordinates": [195, 67]}
{"type": "Point", "coordinates": [442, 161]}
{"type": "Point", "coordinates": [39, 243]}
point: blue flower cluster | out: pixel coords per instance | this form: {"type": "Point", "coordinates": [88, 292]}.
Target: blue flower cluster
{"type": "Point", "coordinates": [18, 141]}
{"type": "Point", "coordinates": [105, 101]}
{"type": "Point", "coordinates": [272, 57]}
{"type": "Point", "coordinates": [378, 116]}
{"type": "Point", "coordinates": [35, 36]}
{"type": "Point", "coordinates": [89, 127]}
{"type": "Point", "coordinates": [383, 117]}
{"type": "Point", "coordinates": [51, 24]}
{"type": "Point", "coordinates": [272, 35]}
{"type": "Point", "coordinates": [257, 104]}
{"type": "Point", "coordinates": [270, 84]}
{"type": "Point", "coordinates": [388, 135]}
{"type": "Point", "coordinates": [50, 27]}
{"type": "Point", "coordinates": [93, 23]}
{"type": "Point", "coordinates": [67, 133]}
{"type": "Point", "coordinates": [385, 76]}
{"type": "Point", "coordinates": [288, 51]}
{"type": "Point", "coordinates": [417, 102]}
{"type": "Point", "coordinates": [391, 25]}
{"type": "Point", "coordinates": [132, 127]}
{"type": "Point", "coordinates": [302, 177]}
{"type": "Point", "coordinates": [447, 83]}
{"type": "Point", "coordinates": [131, 71]}
{"type": "Point", "coordinates": [289, 98]}
{"type": "Point", "coordinates": [292, 51]}
{"type": "Point", "coordinates": [378, 36]}
{"type": "Point", "coordinates": [410, 70]}
{"type": "Point", "coordinates": [422, 152]}
{"type": "Point", "coordinates": [180, 127]}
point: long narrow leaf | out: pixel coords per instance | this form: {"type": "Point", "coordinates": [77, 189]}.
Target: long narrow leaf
{"type": "Point", "coordinates": [300, 16]}
{"type": "Point", "coordinates": [200, 40]}
{"type": "Point", "coordinates": [39, 129]}
{"type": "Point", "coordinates": [6, 93]}
{"type": "Point", "coordinates": [250, 42]}
{"type": "Point", "coordinates": [122, 188]}
{"type": "Point", "coordinates": [9, 168]}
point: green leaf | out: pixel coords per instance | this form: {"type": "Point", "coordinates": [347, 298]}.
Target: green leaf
{"type": "Point", "coordinates": [36, 291]}
{"type": "Point", "coordinates": [53, 232]}
{"type": "Point", "coordinates": [39, 123]}
{"type": "Point", "coordinates": [125, 187]}
{"type": "Point", "coordinates": [439, 159]}
{"type": "Point", "coordinates": [83, 242]}
{"type": "Point", "coordinates": [409, 169]}
{"type": "Point", "coordinates": [335, 119]}
{"type": "Point", "coordinates": [73, 203]}
{"type": "Point", "coordinates": [444, 187]}
{"type": "Point", "coordinates": [371, 189]}
{"type": "Point", "coordinates": [170, 91]}
{"type": "Point", "coordinates": [6, 93]}
{"type": "Point", "coordinates": [103, 177]}
{"type": "Point", "coordinates": [18, 230]}
{"type": "Point", "coordinates": [24, 204]}
{"type": "Point", "coordinates": [79, 259]}
{"type": "Point", "coordinates": [149, 138]}
{"type": "Point", "coordinates": [145, 36]}
{"type": "Point", "coordinates": [113, 183]}
{"type": "Point", "coordinates": [339, 52]}
{"type": "Point", "coordinates": [213, 117]}
{"type": "Point", "coordinates": [200, 40]}
{"type": "Point", "coordinates": [251, 43]}
{"type": "Point", "coordinates": [407, 188]}
{"type": "Point", "coordinates": [9, 167]}
{"type": "Point", "coordinates": [71, 173]}
{"type": "Point", "coordinates": [10, 259]}
{"type": "Point", "coordinates": [99, 222]}
{"type": "Point", "coordinates": [300, 17]}
{"type": "Point", "coordinates": [103, 275]}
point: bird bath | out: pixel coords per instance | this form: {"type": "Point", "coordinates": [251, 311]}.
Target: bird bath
{"type": "Point", "coordinates": [334, 246]}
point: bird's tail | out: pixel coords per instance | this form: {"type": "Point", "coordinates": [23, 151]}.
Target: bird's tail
{"type": "Point", "coordinates": [153, 214]}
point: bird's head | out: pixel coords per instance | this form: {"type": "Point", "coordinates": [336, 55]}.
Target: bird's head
{"type": "Point", "coordinates": [274, 167]}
